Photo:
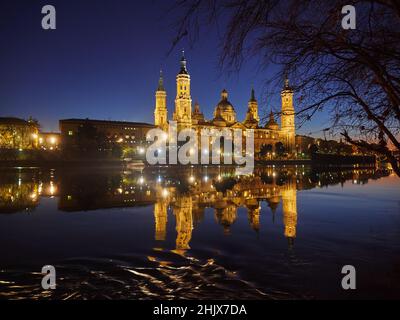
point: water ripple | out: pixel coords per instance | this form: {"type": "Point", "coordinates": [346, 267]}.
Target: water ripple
{"type": "Point", "coordinates": [163, 275]}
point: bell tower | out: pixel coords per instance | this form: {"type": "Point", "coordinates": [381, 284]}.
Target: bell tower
{"type": "Point", "coordinates": [183, 101]}
{"type": "Point", "coordinates": [253, 106]}
{"type": "Point", "coordinates": [161, 111]}
{"type": "Point", "coordinates": [288, 117]}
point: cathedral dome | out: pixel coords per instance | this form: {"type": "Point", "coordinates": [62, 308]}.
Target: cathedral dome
{"type": "Point", "coordinates": [224, 104]}
{"type": "Point", "coordinates": [225, 109]}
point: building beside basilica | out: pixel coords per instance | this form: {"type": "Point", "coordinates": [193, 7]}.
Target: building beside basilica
{"type": "Point", "coordinates": [188, 116]}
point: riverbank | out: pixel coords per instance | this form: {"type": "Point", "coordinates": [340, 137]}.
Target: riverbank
{"type": "Point", "coordinates": [115, 164]}
{"type": "Point", "coordinates": [62, 163]}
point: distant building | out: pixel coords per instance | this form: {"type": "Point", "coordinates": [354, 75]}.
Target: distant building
{"type": "Point", "coordinates": [18, 133]}
{"type": "Point", "coordinates": [303, 144]}
{"type": "Point", "coordinates": [127, 134]}
{"type": "Point", "coordinates": [49, 140]}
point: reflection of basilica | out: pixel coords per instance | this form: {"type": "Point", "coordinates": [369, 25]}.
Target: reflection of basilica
{"type": "Point", "coordinates": [187, 191]}
{"type": "Point", "coordinates": [246, 192]}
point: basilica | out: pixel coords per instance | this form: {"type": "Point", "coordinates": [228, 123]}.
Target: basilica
{"type": "Point", "coordinates": [224, 116]}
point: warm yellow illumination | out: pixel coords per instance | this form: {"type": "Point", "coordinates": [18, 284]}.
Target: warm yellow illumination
{"type": "Point", "coordinates": [165, 193]}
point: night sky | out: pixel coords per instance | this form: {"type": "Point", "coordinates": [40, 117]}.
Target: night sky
{"type": "Point", "coordinates": [103, 62]}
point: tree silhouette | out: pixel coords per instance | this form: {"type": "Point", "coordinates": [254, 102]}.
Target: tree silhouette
{"type": "Point", "coordinates": [352, 74]}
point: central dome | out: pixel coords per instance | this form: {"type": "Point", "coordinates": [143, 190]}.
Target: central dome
{"type": "Point", "coordinates": [225, 109]}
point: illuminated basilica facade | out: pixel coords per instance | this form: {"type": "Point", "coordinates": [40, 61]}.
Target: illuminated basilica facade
{"type": "Point", "coordinates": [224, 116]}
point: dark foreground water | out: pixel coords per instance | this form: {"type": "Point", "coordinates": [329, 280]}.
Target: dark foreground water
{"type": "Point", "coordinates": [283, 233]}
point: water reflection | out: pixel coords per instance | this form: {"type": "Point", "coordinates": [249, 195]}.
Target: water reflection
{"type": "Point", "coordinates": [186, 192]}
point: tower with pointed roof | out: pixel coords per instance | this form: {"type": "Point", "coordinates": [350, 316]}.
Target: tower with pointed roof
{"type": "Point", "coordinates": [183, 100]}
{"type": "Point", "coordinates": [161, 111]}
{"type": "Point", "coordinates": [288, 116]}
{"type": "Point", "coordinates": [253, 106]}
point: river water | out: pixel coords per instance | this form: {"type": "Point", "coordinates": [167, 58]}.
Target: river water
{"type": "Point", "coordinates": [189, 233]}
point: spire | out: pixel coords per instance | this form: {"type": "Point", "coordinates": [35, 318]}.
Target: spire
{"type": "Point", "coordinates": [287, 86]}
{"type": "Point", "coordinates": [253, 96]}
{"type": "Point", "coordinates": [224, 95]}
{"type": "Point", "coordinates": [161, 82]}
{"type": "Point", "coordinates": [183, 64]}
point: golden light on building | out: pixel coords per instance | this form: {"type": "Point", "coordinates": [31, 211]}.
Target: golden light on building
{"type": "Point", "coordinates": [224, 115]}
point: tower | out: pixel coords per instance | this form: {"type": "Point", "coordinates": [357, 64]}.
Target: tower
{"type": "Point", "coordinates": [253, 106]}
{"type": "Point", "coordinates": [288, 126]}
{"type": "Point", "coordinates": [183, 101]}
{"type": "Point", "coordinates": [161, 111]}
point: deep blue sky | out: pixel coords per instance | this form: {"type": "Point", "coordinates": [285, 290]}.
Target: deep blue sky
{"type": "Point", "coordinates": [103, 62]}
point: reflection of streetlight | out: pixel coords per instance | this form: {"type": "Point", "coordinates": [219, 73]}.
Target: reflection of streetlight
{"type": "Point", "coordinates": [53, 140]}
{"type": "Point", "coordinates": [191, 179]}
{"type": "Point", "coordinates": [52, 189]}
{"type": "Point", "coordinates": [141, 180]}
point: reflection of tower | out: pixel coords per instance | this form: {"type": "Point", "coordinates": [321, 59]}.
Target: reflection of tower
{"type": "Point", "coordinates": [160, 219]}
{"type": "Point", "coordinates": [161, 112]}
{"type": "Point", "coordinates": [254, 218]}
{"type": "Point", "coordinates": [288, 115]}
{"type": "Point", "coordinates": [184, 222]}
{"type": "Point", "coordinates": [273, 203]}
{"type": "Point", "coordinates": [289, 208]}
{"type": "Point", "coordinates": [183, 101]}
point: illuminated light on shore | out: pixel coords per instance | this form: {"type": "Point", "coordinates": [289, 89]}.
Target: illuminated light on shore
{"type": "Point", "coordinates": [141, 180]}
{"type": "Point", "coordinates": [205, 178]}
{"type": "Point", "coordinates": [191, 179]}
{"type": "Point", "coordinates": [165, 193]}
